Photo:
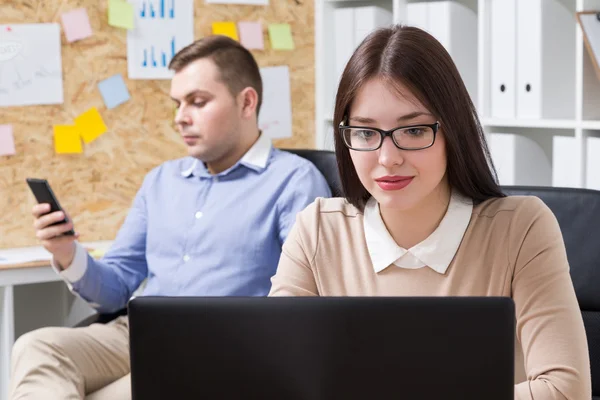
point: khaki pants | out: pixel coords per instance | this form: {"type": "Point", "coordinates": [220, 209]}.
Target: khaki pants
{"type": "Point", "coordinates": [89, 363]}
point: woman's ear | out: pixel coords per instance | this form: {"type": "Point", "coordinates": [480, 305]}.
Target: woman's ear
{"type": "Point", "coordinates": [249, 101]}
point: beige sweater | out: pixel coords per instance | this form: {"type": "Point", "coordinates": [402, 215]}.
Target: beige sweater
{"type": "Point", "coordinates": [512, 247]}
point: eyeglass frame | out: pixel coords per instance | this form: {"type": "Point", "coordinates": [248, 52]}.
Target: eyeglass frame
{"type": "Point", "coordinates": [383, 133]}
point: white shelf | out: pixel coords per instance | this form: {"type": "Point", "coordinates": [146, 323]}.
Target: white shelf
{"type": "Point", "coordinates": [594, 125]}
{"type": "Point", "coordinates": [532, 123]}
{"type": "Point", "coordinates": [542, 123]}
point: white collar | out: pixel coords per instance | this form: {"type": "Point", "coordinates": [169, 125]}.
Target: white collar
{"type": "Point", "coordinates": [258, 154]}
{"type": "Point", "coordinates": [436, 251]}
{"type": "Point", "coordinates": [256, 157]}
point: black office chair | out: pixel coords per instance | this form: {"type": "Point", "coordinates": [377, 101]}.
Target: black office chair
{"type": "Point", "coordinates": [578, 214]}
{"type": "Point", "coordinates": [325, 162]}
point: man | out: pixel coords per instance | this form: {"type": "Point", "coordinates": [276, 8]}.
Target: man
{"type": "Point", "coordinates": [211, 224]}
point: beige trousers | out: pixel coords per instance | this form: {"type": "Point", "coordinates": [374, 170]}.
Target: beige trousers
{"type": "Point", "coordinates": [89, 363]}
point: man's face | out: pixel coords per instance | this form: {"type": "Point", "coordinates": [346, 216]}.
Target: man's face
{"type": "Point", "coordinates": [207, 115]}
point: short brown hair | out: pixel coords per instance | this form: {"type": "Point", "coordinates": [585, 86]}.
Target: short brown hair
{"type": "Point", "coordinates": [416, 59]}
{"type": "Point", "coordinates": [236, 64]}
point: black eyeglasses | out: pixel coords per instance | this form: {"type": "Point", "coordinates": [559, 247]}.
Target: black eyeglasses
{"type": "Point", "coordinates": [412, 137]}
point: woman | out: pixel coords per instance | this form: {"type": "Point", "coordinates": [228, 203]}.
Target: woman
{"type": "Point", "coordinates": [424, 216]}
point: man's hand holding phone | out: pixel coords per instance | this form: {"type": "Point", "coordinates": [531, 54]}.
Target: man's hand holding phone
{"type": "Point", "coordinates": [54, 237]}
{"type": "Point", "coordinates": [53, 227]}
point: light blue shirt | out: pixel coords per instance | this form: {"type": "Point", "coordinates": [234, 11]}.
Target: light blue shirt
{"type": "Point", "coordinates": [196, 234]}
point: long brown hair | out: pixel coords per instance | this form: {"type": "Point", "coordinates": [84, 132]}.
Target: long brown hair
{"type": "Point", "coordinates": [415, 58]}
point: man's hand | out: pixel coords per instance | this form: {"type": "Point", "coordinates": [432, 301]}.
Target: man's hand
{"type": "Point", "coordinates": [61, 246]}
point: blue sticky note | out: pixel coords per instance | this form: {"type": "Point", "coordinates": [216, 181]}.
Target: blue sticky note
{"type": "Point", "coordinates": [114, 92]}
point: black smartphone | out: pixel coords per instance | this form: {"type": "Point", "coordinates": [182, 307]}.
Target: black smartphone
{"type": "Point", "coordinates": [43, 194]}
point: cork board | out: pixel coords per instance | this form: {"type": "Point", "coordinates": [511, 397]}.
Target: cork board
{"type": "Point", "coordinates": [97, 187]}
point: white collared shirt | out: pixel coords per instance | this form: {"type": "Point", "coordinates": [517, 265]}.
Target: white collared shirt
{"type": "Point", "coordinates": [436, 251]}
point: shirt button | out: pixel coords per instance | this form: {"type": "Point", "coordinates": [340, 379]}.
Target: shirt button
{"type": "Point", "coordinates": [198, 215]}
{"type": "Point", "coordinates": [186, 258]}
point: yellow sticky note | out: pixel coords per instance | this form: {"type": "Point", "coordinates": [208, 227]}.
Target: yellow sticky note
{"type": "Point", "coordinates": [225, 29]}
{"type": "Point", "coordinates": [90, 124]}
{"type": "Point", "coordinates": [120, 14]}
{"type": "Point", "coordinates": [67, 139]}
{"type": "Point", "coordinates": [281, 36]}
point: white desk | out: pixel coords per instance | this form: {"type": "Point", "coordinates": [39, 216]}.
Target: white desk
{"type": "Point", "coordinates": [33, 267]}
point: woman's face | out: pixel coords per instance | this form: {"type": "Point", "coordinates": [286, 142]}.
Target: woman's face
{"type": "Point", "coordinates": [398, 179]}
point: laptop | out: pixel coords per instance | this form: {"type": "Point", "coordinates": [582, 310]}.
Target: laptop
{"type": "Point", "coordinates": [322, 348]}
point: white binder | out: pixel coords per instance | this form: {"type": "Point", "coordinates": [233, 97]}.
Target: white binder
{"type": "Point", "coordinates": [344, 39]}
{"type": "Point", "coordinates": [461, 39]}
{"type": "Point", "coordinates": [351, 25]}
{"type": "Point", "coordinates": [593, 163]}
{"type": "Point", "coordinates": [503, 65]}
{"type": "Point", "coordinates": [417, 14]}
{"type": "Point", "coordinates": [343, 19]}
{"type": "Point", "coordinates": [440, 23]}
{"type": "Point", "coordinates": [519, 160]}
{"type": "Point", "coordinates": [545, 50]}
{"type": "Point", "coordinates": [566, 168]}
{"type": "Point", "coordinates": [367, 19]}
{"type": "Point", "coordinates": [454, 25]}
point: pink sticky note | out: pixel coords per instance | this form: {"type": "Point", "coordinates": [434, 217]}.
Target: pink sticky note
{"type": "Point", "coordinates": [7, 141]}
{"type": "Point", "coordinates": [251, 35]}
{"type": "Point", "coordinates": [76, 24]}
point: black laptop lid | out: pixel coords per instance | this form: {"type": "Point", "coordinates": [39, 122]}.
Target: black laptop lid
{"type": "Point", "coordinates": [322, 348]}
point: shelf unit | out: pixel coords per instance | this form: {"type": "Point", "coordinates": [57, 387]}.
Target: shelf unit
{"type": "Point", "coordinates": [582, 97]}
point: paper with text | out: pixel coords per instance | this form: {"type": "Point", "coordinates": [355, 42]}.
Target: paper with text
{"type": "Point", "coordinates": [30, 65]}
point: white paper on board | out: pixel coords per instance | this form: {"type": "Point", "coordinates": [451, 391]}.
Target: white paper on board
{"type": "Point", "coordinates": [161, 29]}
{"type": "Point", "coordinates": [30, 65]}
{"type": "Point", "coordinates": [275, 117]}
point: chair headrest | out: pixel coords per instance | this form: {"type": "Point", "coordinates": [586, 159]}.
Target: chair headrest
{"type": "Point", "coordinates": [326, 163]}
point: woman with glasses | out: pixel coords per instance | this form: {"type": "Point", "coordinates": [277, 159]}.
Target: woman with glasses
{"type": "Point", "coordinates": [423, 214]}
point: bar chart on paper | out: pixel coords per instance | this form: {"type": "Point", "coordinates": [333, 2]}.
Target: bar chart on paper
{"type": "Point", "coordinates": [149, 11]}
{"type": "Point", "coordinates": [162, 28]}
{"type": "Point", "coordinates": [152, 58]}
